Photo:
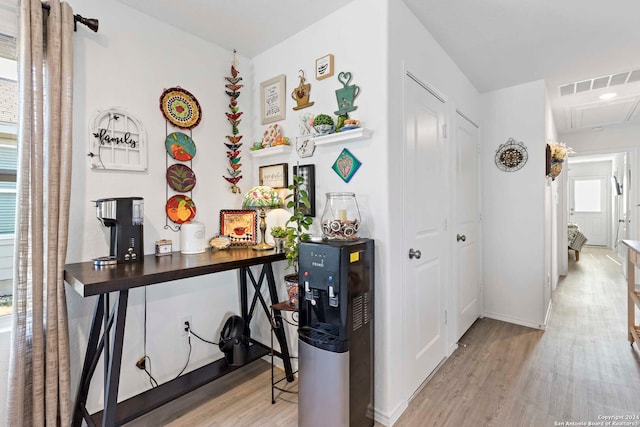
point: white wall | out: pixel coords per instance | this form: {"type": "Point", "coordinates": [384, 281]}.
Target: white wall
{"type": "Point", "coordinates": [128, 64]}
{"type": "Point", "coordinates": [513, 207]}
{"type": "Point", "coordinates": [412, 48]}
{"type": "Point", "coordinates": [338, 34]}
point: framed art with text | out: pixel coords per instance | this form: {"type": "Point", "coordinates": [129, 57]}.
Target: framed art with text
{"type": "Point", "coordinates": [272, 100]}
{"type": "Point", "coordinates": [275, 176]}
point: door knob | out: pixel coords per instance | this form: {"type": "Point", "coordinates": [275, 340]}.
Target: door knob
{"type": "Point", "coordinates": [460, 237]}
{"type": "Point", "coordinates": [414, 254]}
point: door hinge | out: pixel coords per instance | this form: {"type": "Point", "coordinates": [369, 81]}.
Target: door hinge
{"type": "Point", "coordinates": [444, 130]}
{"type": "Point", "coordinates": [445, 317]}
{"type": "Point", "coordinates": [444, 225]}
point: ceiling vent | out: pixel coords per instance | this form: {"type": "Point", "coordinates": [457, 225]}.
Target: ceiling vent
{"type": "Point", "coordinates": [600, 82]}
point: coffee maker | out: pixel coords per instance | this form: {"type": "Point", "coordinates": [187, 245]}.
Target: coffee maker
{"type": "Point", "coordinates": [124, 216]}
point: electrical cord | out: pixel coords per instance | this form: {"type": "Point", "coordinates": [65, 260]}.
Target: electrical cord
{"type": "Point", "coordinates": [190, 331]}
{"type": "Point", "coordinates": [188, 355]}
{"type": "Point", "coordinates": [152, 380]}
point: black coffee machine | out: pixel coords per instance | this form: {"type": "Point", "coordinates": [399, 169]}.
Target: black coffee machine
{"type": "Point", "coordinates": [124, 215]}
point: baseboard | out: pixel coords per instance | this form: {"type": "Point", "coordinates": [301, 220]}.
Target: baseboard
{"type": "Point", "coordinates": [547, 317]}
{"type": "Point", "coordinates": [388, 419]}
{"type": "Point", "coordinates": [514, 321]}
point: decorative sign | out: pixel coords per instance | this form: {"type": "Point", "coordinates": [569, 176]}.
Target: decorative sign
{"type": "Point", "coordinates": [274, 176]}
{"type": "Point", "coordinates": [117, 141]}
{"type": "Point", "coordinates": [272, 101]}
{"type": "Point", "coordinates": [324, 67]}
{"type": "Point", "coordinates": [346, 165]}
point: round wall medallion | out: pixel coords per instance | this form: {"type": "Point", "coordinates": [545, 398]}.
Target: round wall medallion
{"type": "Point", "coordinates": [511, 156]}
{"type": "Point", "coordinates": [180, 108]}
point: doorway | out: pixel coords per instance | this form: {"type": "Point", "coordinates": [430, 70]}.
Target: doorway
{"type": "Point", "coordinates": [598, 197]}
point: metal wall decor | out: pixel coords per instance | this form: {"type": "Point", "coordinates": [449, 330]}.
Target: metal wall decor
{"type": "Point", "coordinates": [233, 116]}
{"type": "Point", "coordinates": [511, 156]}
{"type": "Point", "coordinates": [117, 141]}
{"type": "Point", "coordinates": [301, 93]}
{"type": "Point", "coordinates": [346, 95]}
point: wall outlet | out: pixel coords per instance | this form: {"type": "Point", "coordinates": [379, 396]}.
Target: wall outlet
{"type": "Point", "coordinates": [183, 326]}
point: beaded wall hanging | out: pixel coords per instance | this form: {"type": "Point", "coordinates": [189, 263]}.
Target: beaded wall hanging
{"type": "Point", "coordinates": [233, 143]}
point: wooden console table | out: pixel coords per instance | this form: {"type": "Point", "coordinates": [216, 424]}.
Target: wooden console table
{"type": "Point", "coordinates": [633, 296]}
{"type": "Point", "coordinates": [107, 327]}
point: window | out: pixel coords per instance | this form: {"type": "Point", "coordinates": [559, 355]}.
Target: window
{"type": "Point", "coordinates": [8, 169]}
{"type": "Point", "coordinates": [587, 195]}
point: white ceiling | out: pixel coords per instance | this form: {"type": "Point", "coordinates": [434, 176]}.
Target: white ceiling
{"type": "Point", "coordinates": [496, 43]}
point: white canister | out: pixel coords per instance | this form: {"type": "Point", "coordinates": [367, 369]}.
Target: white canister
{"type": "Point", "coordinates": [192, 240]}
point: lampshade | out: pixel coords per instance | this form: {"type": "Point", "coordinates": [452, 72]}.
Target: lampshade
{"type": "Point", "coordinates": [261, 197]}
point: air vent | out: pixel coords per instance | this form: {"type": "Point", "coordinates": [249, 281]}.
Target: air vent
{"type": "Point", "coordinates": [569, 89]}
{"type": "Point", "coordinates": [583, 86]}
{"type": "Point", "coordinates": [601, 82]}
{"type": "Point", "coordinates": [358, 312]}
{"type": "Point", "coordinates": [618, 79]}
{"type": "Point", "coordinates": [634, 76]}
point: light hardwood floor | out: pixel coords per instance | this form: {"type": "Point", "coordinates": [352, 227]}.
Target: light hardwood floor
{"type": "Point", "coordinates": [581, 368]}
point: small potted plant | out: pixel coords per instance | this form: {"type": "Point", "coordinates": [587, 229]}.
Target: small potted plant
{"type": "Point", "coordinates": [279, 236]}
{"type": "Point", "coordinates": [324, 124]}
{"type": "Point", "coordinates": [297, 228]}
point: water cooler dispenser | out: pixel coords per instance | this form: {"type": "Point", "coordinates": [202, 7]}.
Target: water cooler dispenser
{"type": "Point", "coordinates": [336, 335]}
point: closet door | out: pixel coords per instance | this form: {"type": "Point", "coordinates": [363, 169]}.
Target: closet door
{"type": "Point", "coordinates": [424, 234]}
{"type": "Point", "coordinates": [467, 224]}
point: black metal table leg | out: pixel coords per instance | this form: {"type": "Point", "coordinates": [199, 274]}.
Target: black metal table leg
{"type": "Point", "coordinates": [266, 272]}
{"type": "Point", "coordinates": [244, 301]}
{"type": "Point", "coordinates": [91, 354]}
{"type": "Point", "coordinates": [113, 380]}
{"type": "Point", "coordinates": [279, 329]}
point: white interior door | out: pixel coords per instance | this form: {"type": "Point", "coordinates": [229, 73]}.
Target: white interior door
{"type": "Point", "coordinates": [424, 233]}
{"type": "Point", "coordinates": [467, 215]}
{"type": "Point", "coordinates": [589, 207]}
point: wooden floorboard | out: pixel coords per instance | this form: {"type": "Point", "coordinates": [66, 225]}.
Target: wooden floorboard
{"type": "Point", "coordinates": [581, 368]}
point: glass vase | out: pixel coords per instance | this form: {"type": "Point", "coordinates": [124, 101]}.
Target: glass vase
{"type": "Point", "coordinates": [341, 217]}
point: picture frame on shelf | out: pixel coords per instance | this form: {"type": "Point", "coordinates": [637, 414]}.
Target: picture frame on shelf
{"type": "Point", "coordinates": [240, 226]}
{"type": "Point", "coordinates": [275, 176]}
{"type": "Point", "coordinates": [272, 100]}
{"type": "Point", "coordinates": [308, 174]}
{"type": "Point", "coordinates": [324, 67]}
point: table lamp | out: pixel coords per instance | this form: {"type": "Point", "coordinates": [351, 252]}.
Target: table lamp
{"type": "Point", "coordinates": [262, 197]}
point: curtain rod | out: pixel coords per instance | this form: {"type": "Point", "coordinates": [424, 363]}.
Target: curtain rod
{"type": "Point", "coordinates": [91, 23]}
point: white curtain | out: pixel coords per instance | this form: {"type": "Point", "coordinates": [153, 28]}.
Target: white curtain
{"type": "Point", "coordinates": [39, 362]}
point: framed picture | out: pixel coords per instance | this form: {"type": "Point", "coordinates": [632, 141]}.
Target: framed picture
{"type": "Point", "coordinates": [308, 174]}
{"type": "Point", "coordinates": [324, 67]}
{"type": "Point", "coordinates": [275, 176]}
{"type": "Point", "coordinates": [272, 100]}
{"type": "Point", "coordinates": [239, 226]}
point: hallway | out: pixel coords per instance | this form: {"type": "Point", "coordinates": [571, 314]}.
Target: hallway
{"type": "Point", "coordinates": [580, 369]}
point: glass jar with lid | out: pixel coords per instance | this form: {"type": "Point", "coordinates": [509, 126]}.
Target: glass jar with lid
{"type": "Point", "coordinates": [341, 217]}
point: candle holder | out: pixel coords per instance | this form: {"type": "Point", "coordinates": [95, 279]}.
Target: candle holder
{"type": "Point", "coordinates": [341, 217]}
